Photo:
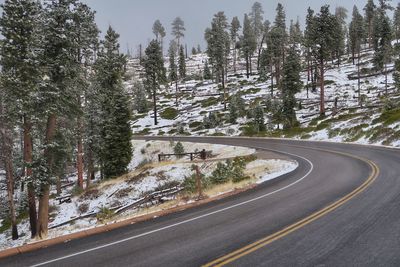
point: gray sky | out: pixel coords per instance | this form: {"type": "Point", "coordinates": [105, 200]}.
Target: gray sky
{"type": "Point", "coordinates": [133, 19]}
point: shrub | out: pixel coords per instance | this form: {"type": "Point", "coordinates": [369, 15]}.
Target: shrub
{"type": "Point", "coordinates": [179, 149]}
{"type": "Point", "coordinates": [104, 214]}
{"type": "Point", "coordinates": [76, 190]}
{"type": "Point", "coordinates": [83, 208]}
{"type": "Point", "coordinates": [169, 113]}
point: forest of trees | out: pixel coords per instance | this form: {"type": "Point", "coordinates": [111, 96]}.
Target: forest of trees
{"type": "Point", "coordinates": [63, 103]}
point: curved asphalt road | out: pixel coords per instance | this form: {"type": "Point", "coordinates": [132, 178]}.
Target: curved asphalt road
{"type": "Point", "coordinates": [365, 231]}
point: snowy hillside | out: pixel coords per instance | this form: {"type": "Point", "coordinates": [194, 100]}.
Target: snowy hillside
{"type": "Point", "coordinates": [345, 122]}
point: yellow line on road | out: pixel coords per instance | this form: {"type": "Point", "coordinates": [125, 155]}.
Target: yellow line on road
{"type": "Point", "coordinates": [293, 227]}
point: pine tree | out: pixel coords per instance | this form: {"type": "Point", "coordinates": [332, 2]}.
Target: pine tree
{"type": "Point", "coordinates": [7, 124]}
{"type": "Point", "coordinates": [115, 133]}
{"type": "Point", "coordinates": [207, 73]}
{"type": "Point", "coordinates": [159, 32]}
{"type": "Point", "coordinates": [396, 74]}
{"type": "Point", "coordinates": [248, 43]}
{"type": "Point", "coordinates": [20, 26]}
{"type": "Point", "coordinates": [279, 41]}
{"type": "Point", "coordinates": [173, 68]}
{"type": "Point", "coordinates": [59, 61]}
{"type": "Point", "coordinates": [218, 47]}
{"type": "Point", "coordinates": [198, 49]}
{"type": "Point", "coordinates": [323, 38]}
{"type": "Point", "coordinates": [291, 84]}
{"type": "Point", "coordinates": [396, 23]}
{"type": "Point", "coordinates": [234, 34]}
{"type": "Point", "coordinates": [369, 18]}
{"type": "Point", "coordinates": [178, 29]}
{"type": "Point", "coordinates": [340, 32]}
{"type": "Point", "coordinates": [182, 64]}
{"type": "Point", "coordinates": [140, 100]}
{"type": "Point", "coordinates": [154, 72]}
{"type": "Point", "coordinates": [295, 34]}
{"type": "Point", "coordinates": [85, 40]}
{"type": "Point", "coordinates": [256, 20]}
{"type": "Point", "coordinates": [233, 110]}
{"type": "Point", "coordinates": [194, 51]}
{"type": "Point", "coordinates": [259, 121]}
{"type": "Point", "coordinates": [308, 44]}
{"type": "Point", "coordinates": [357, 35]}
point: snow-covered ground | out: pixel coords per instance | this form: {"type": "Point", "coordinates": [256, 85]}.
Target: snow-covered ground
{"type": "Point", "coordinates": [200, 97]}
{"type": "Point", "coordinates": [145, 176]}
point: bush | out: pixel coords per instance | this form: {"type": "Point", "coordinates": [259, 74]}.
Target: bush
{"type": "Point", "coordinates": [76, 190]}
{"type": "Point", "coordinates": [221, 174]}
{"type": "Point", "coordinates": [179, 149]}
{"type": "Point", "coordinates": [104, 214]}
{"type": "Point", "coordinates": [169, 113]}
{"type": "Point", "coordinates": [83, 208]}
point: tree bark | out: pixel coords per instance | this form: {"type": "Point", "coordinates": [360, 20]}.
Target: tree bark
{"type": "Point", "coordinates": [28, 147]}
{"type": "Point", "coordinates": [259, 52]}
{"type": "Point", "coordinates": [272, 80]}
{"type": "Point", "coordinates": [358, 79]}
{"type": "Point", "coordinates": [79, 156]}
{"type": "Point", "coordinates": [176, 92]}
{"type": "Point", "coordinates": [223, 86]}
{"type": "Point", "coordinates": [155, 107]}
{"type": "Point", "coordinates": [322, 93]}
{"type": "Point", "coordinates": [43, 214]}
{"type": "Point", "coordinates": [90, 168]}
{"type": "Point", "coordinates": [247, 67]}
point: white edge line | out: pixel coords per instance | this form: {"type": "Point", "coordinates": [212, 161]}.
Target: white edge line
{"type": "Point", "coordinates": [192, 219]}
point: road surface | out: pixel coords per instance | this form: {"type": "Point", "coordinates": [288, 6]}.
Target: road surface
{"type": "Point", "coordinates": [340, 207]}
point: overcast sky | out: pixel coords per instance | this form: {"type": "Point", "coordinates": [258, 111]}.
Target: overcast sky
{"type": "Point", "coordinates": [133, 19]}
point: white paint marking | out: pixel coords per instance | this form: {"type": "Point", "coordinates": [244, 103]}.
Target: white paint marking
{"type": "Point", "coordinates": [192, 219]}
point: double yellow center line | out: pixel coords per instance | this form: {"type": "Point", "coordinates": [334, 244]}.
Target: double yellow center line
{"type": "Point", "coordinates": [293, 227]}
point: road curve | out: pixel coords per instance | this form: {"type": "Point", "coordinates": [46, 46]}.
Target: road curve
{"type": "Point", "coordinates": [364, 230]}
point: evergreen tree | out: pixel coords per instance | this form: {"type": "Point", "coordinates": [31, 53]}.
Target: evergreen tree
{"type": "Point", "coordinates": [259, 121]}
{"type": "Point", "coordinates": [233, 110]}
{"type": "Point", "coordinates": [396, 23]}
{"type": "Point", "coordinates": [140, 100]}
{"type": "Point", "coordinates": [20, 27]}
{"type": "Point", "coordinates": [234, 34]}
{"type": "Point", "coordinates": [178, 29]}
{"type": "Point", "coordinates": [308, 44]}
{"type": "Point", "coordinates": [198, 49]}
{"type": "Point", "coordinates": [154, 72]}
{"type": "Point", "coordinates": [207, 73]}
{"type": "Point", "coordinates": [279, 41]}
{"type": "Point", "coordinates": [369, 18]}
{"type": "Point", "coordinates": [256, 20]}
{"type": "Point", "coordinates": [116, 134]}
{"type": "Point", "coordinates": [295, 34]}
{"type": "Point", "coordinates": [218, 46]}
{"type": "Point", "coordinates": [357, 35]}
{"type": "Point", "coordinates": [383, 42]}
{"type": "Point", "coordinates": [340, 31]}
{"type": "Point", "coordinates": [173, 68]}
{"type": "Point", "coordinates": [396, 74]}
{"type": "Point", "coordinates": [323, 38]}
{"type": "Point", "coordinates": [248, 43]}
{"type": "Point", "coordinates": [194, 51]}
{"type": "Point", "coordinates": [182, 64]}
{"type": "Point", "coordinates": [159, 32]}
{"type": "Point", "coordinates": [291, 84]}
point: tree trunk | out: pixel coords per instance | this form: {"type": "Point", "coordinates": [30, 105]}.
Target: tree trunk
{"type": "Point", "coordinates": [259, 52]}
{"type": "Point", "coordinates": [79, 158]}
{"type": "Point", "coordinates": [90, 168]}
{"type": "Point", "coordinates": [322, 93]}
{"type": "Point", "coordinates": [31, 190]}
{"type": "Point", "coordinates": [43, 214]}
{"type": "Point", "coordinates": [386, 80]}
{"type": "Point", "coordinates": [155, 107]}
{"type": "Point", "coordinates": [247, 67]}
{"type": "Point", "coordinates": [251, 68]}
{"type": "Point", "coordinates": [272, 80]}
{"type": "Point", "coordinates": [176, 92]}
{"type": "Point", "coordinates": [6, 146]}
{"type": "Point", "coordinates": [358, 79]}
{"type": "Point", "coordinates": [223, 86]}
{"type": "Point", "coordinates": [234, 56]}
